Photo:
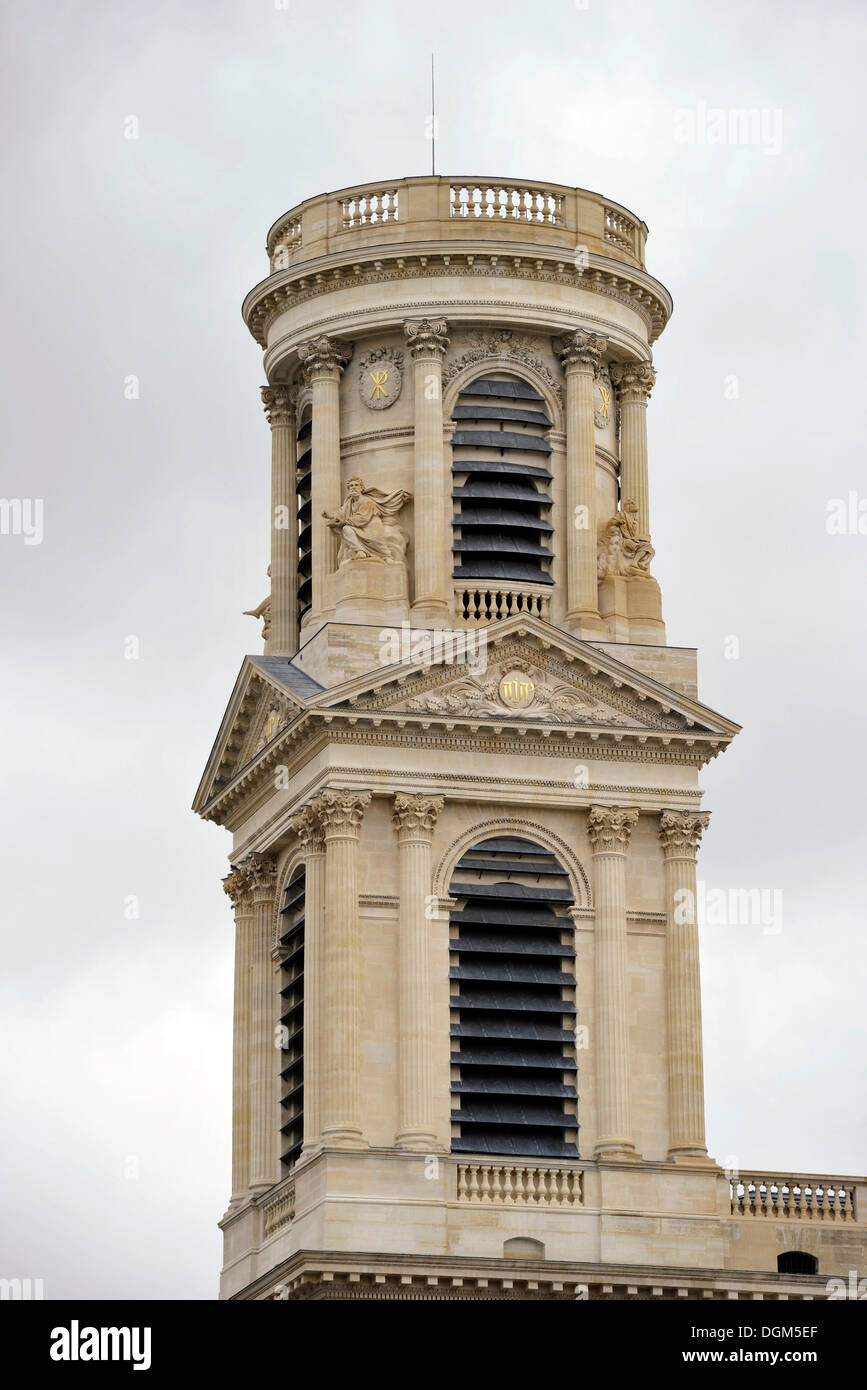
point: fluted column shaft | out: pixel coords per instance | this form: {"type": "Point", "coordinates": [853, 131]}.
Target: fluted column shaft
{"type": "Point", "coordinates": [414, 819]}
{"type": "Point", "coordinates": [238, 887]}
{"type": "Point", "coordinates": [680, 833]}
{"type": "Point", "coordinates": [324, 360]}
{"type": "Point", "coordinates": [310, 831]}
{"type": "Point", "coordinates": [634, 382]}
{"type": "Point", "coordinates": [279, 402]}
{"type": "Point", "coordinates": [427, 342]}
{"type": "Point", "coordinates": [610, 829]}
{"type": "Point", "coordinates": [340, 814]}
{"type": "Point", "coordinates": [264, 1056]}
{"type": "Point", "coordinates": [581, 354]}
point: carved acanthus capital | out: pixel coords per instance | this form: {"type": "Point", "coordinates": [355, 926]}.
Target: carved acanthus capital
{"type": "Point", "coordinates": [415, 813]}
{"type": "Point", "coordinates": [634, 381]}
{"type": "Point", "coordinates": [340, 812]}
{"type": "Point", "coordinates": [324, 356]}
{"type": "Point", "coordinates": [426, 337]}
{"type": "Point", "coordinates": [261, 870]}
{"type": "Point", "coordinates": [581, 350]}
{"type": "Point", "coordinates": [680, 832]}
{"type": "Point", "coordinates": [610, 827]}
{"type": "Point", "coordinates": [279, 402]}
{"type": "Point", "coordinates": [309, 829]}
{"type": "Point", "coordinates": [238, 886]}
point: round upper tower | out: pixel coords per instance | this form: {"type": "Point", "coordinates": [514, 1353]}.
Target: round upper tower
{"type": "Point", "coordinates": [458, 371]}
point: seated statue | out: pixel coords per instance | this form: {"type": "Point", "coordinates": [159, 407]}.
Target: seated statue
{"type": "Point", "coordinates": [367, 526]}
{"type": "Point", "coordinates": [621, 551]}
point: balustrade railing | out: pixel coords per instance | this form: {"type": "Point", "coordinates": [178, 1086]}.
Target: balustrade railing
{"type": "Point", "coordinates": [369, 209]}
{"type": "Point", "coordinates": [620, 230]}
{"type": "Point", "coordinates": [794, 1196]}
{"type": "Point", "coordinates": [488, 605]}
{"type": "Point", "coordinates": [278, 1211]}
{"type": "Point", "coordinates": [521, 202]}
{"type": "Point", "coordinates": [505, 1184]}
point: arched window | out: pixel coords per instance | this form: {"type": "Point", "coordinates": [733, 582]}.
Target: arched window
{"type": "Point", "coordinates": [305, 519]}
{"type": "Point", "coordinates": [513, 1002]}
{"type": "Point", "coordinates": [291, 935]}
{"type": "Point", "coordinates": [500, 457]}
{"type": "Point", "coordinates": [797, 1262]}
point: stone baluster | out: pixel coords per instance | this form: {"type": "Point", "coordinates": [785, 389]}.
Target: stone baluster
{"type": "Point", "coordinates": [340, 814]}
{"type": "Point", "coordinates": [279, 402]}
{"type": "Point", "coordinates": [610, 829]}
{"type": "Point", "coordinates": [323, 360]}
{"type": "Point", "coordinates": [415, 817]}
{"type": "Point", "coordinates": [427, 343]}
{"type": "Point", "coordinates": [581, 354]}
{"type": "Point", "coordinates": [680, 833]}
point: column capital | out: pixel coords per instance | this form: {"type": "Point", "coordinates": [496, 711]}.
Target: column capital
{"type": "Point", "coordinates": [324, 356]}
{"type": "Point", "coordinates": [416, 814]}
{"type": "Point", "coordinates": [680, 832]}
{"type": "Point", "coordinates": [610, 827]}
{"type": "Point", "coordinates": [580, 350]}
{"type": "Point", "coordinates": [634, 380]}
{"type": "Point", "coordinates": [238, 886]}
{"type": "Point", "coordinates": [426, 337]}
{"type": "Point", "coordinates": [261, 873]}
{"type": "Point", "coordinates": [309, 829]}
{"type": "Point", "coordinates": [279, 401]}
{"type": "Point", "coordinates": [340, 811]}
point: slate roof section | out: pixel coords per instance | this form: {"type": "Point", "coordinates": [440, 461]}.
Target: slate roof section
{"type": "Point", "coordinates": [279, 668]}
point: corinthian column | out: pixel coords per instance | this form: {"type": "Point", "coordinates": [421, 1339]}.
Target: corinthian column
{"type": "Point", "coordinates": [414, 820]}
{"type": "Point", "coordinates": [324, 360]}
{"type": "Point", "coordinates": [279, 402]}
{"type": "Point", "coordinates": [610, 829]}
{"type": "Point", "coordinates": [680, 833]}
{"type": "Point", "coordinates": [634, 382]}
{"type": "Point", "coordinates": [238, 885]}
{"type": "Point", "coordinates": [312, 836]}
{"type": "Point", "coordinates": [581, 354]}
{"type": "Point", "coordinates": [427, 342]}
{"type": "Point", "coordinates": [341, 813]}
{"type": "Point", "coordinates": [262, 871]}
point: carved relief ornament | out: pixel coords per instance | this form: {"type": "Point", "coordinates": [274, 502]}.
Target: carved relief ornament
{"type": "Point", "coordinates": [609, 828]}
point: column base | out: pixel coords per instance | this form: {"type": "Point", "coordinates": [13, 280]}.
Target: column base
{"type": "Point", "coordinates": [428, 612]}
{"type": "Point", "coordinates": [586, 624]}
{"type": "Point", "coordinates": [616, 1149]}
{"type": "Point", "coordinates": [692, 1156]}
{"type": "Point", "coordinates": [418, 1141]}
{"type": "Point", "coordinates": [343, 1139]}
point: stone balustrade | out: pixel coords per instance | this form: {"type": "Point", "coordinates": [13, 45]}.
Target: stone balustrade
{"type": "Point", "coordinates": [279, 1210]}
{"type": "Point", "coordinates": [474, 606]}
{"type": "Point", "coordinates": [505, 1184]}
{"type": "Point", "coordinates": [449, 209]}
{"type": "Point", "coordinates": [797, 1196]}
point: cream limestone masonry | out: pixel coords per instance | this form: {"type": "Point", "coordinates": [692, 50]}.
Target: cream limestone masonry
{"type": "Point", "coordinates": [365, 748]}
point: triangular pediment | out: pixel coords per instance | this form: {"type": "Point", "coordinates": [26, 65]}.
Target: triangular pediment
{"type": "Point", "coordinates": [262, 706]}
{"type": "Point", "coordinates": [526, 671]}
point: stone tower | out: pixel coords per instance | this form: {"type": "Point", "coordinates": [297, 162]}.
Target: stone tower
{"type": "Point", "coordinates": [463, 786]}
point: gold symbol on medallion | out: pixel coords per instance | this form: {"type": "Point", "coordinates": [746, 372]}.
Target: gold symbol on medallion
{"type": "Point", "coordinates": [270, 725]}
{"type": "Point", "coordinates": [379, 379]}
{"type": "Point", "coordinates": [606, 400]}
{"type": "Point", "coordinates": [517, 690]}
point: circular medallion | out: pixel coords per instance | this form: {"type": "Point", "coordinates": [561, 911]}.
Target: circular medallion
{"type": "Point", "coordinates": [517, 690]}
{"type": "Point", "coordinates": [380, 378]}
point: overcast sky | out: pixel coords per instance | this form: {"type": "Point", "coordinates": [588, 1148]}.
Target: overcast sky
{"type": "Point", "coordinates": [130, 257]}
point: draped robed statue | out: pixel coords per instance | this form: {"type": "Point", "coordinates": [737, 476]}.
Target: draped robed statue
{"type": "Point", "coordinates": [367, 526]}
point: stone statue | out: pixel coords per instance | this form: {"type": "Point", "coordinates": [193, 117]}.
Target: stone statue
{"type": "Point", "coordinates": [367, 526]}
{"type": "Point", "coordinates": [263, 611]}
{"type": "Point", "coordinates": [622, 552]}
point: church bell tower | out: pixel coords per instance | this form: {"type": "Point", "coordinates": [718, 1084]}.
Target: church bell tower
{"type": "Point", "coordinates": [462, 778]}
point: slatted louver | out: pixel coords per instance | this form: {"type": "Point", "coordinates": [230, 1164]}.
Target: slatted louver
{"type": "Point", "coordinates": [513, 1003]}
{"type": "Point", "coordinates": [292, 1019]}
{"type": "Point", "coordinates": [500, 456]}
{"type": "Point", "coordinates": [305, 519]}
